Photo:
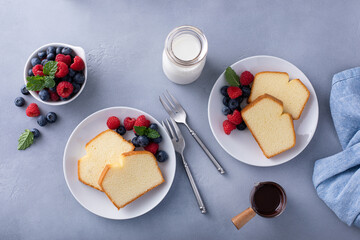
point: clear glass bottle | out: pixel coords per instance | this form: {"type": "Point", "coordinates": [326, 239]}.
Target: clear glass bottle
{"type": "Point", "coordinates": [184, 55]}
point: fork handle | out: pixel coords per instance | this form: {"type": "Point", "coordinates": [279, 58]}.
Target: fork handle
{"type": "Point", "coordinates": [193, 186]}
{"type": "Point", "coordinates": [206, 150]}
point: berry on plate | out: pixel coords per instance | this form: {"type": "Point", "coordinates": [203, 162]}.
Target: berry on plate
{"type": "Point", "coordinates": [38, 70]}
{"type": "Point", "coordinates": [41, 54]}
{"type": "Point", "coordinates": [154, 126]}
{"type": "Point", "coordinates": [66, 51]}
{"type": "Point", "coordinates": [50, 56]}
{"type": "Point", "coordinates": [143, 141]}
{"type": "Point", "coordinates": [226, 110]}
{"type": "Point", "coordinates": [223, 91]}
{"type": "Point", "coordinates": [161, 156]}
{"type": "Point", "coordinates": [246, 91]}
{"type": "Point", "coordinates": [19, 101]}
{"type": "Point", "coordinates": [233, 104]}
{"type": "Point", "coordinates": [53, 96]}
{"type": "Point", "coordinates": [78, 64]}
{"type": "Point", "coordinates": [129, 123]}
{"type": "Point", "coordinates": [35, 61]}
{"type": "Point", "coordinates": [235, 118]}
{"type": "Point", "coordinates": [226, 101]}
{"type": "Point", "coordinates": [157, 140]}
{"type": "Point", "coordinates": [62, 70]}
{"type": "Point", "coordinates": [234, 92]}
{"type": "Point", "coordinates": [58, 50]}
{"type": "Point", "coordinates": [50, 49]}
{"type": "Point", "coordinates": [32, 110]}
{"type": "Point", "coordinates": [246, 78]}
{"type": "Point", "coordinates": [44, 95]}
{"type": "Point", "coordinates": [152, 147]}
{"type": "Point", "coordinates": [113, 122]}
{"type": "Point", "coordinates": [121, 130]}
{"type": "Point", "coordinates": [79, 78]}
{"type": "Point", "coordinates": [241, 126]}
{"type": "Point", "coordinates": [228, 127]}
{"type": "Point", "coordinates": [64, 89]}
{"type": "Point", "coordinates": [142, 121]}
{"type": "Point", "coordinates": [135, 141]}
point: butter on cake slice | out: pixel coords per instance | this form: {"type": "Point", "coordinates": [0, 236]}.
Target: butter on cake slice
{"type": "Point", "coordinates": [135, 174]}
{"type": "Point", "coordinates": [104, 149]}
{"type": "Point", "coordinates": [293, 94]}
{"type": "Point", "coordinates": [272, 129]}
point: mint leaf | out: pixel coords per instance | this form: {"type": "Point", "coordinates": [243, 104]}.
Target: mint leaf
{"type": "Point", "coordinates": [231, 77]}
{"type": "Point", "coordinates": [141, 130]}
{"type": "Point", "coordinates": [152, 133]}
{"type": "Point", "coordinates": [49, 82]}
{"type": "Point", "coordinates": [50, 68]}
{"type": "Point", "coordinates": [35, 83]}
{"type": "Point", "coordinates": [25, 140]}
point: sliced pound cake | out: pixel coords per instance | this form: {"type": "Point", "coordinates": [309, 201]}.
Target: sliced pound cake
{"type": "Point", "coordinates": [293, 94]}
{"type": "Point", "coordinates": [133, 175]}
{"type": "Point", "coordinates": [104, 149]}
{"type": "Point", "coordinates": [272, 129]}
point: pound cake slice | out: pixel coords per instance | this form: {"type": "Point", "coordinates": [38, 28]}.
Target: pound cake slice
{"type": "Point", "coordinates": [133, 175]}
{"type": "Point", "coordinates": [272, 129]}
{"type": "Point", "coordinates": [104, 149]}
{"type": "Point", "coordinates": [293, 94]}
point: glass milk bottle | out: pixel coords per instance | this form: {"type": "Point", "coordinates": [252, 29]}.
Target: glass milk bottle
{"type": "Point", "coordinates": [184, 54]}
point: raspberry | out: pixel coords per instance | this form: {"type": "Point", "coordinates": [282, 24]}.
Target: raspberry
{"type": "Point", "coordinates": [152, 147]}
{"type": "Point", "coordinates": [78, 64]}
{"type": "Point", "coordinates": [235, 118]}
{"type": "Point", "coordinates": [129, 123]}
{"type": "Point", "coordinates": [38, 70]}
{"type": "Point", "coordinates": [63, 58]}
{"type": "Point", "coordinates": [246, 78]}
{"type": "Point", "coordinates": [62, 70]}
{"type": "Point", "coordinates": [53, 96]}
{"type": "Point", "coordinates": [234, 92]}
{"type": "Point", "coordinates": [113, 122]}
{"type": "Point", "coordinates": [32, 110]}
{"type": "Point", "coordinates": [228, 127]}
{"type": "Point", "coordinates": [64, 89]}
{"type": "Point", "coordinates": [142, 121]}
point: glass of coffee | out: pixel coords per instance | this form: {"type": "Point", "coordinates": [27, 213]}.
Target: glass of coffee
{"type": "Point", "coordinates": [268, 199]}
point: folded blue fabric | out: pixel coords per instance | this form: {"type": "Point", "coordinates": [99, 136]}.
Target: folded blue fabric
{"type": "Point", "coordinates": [337, 178]}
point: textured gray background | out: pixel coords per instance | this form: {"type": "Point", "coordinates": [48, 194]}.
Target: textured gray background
{"type": "Point", "coordinates": [124, 41]}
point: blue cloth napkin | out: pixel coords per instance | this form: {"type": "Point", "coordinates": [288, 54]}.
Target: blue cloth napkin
{"type": "Point", "coordinates": [337, 178]}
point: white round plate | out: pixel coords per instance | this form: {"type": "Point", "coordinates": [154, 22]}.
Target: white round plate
{"type": "Point", "coordinates": [96, 201]}
{"type": "Point", "coordinates": [241, 144]}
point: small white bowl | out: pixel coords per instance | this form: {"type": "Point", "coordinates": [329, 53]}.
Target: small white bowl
{"type": "Point", "coordinates": [79, 51]}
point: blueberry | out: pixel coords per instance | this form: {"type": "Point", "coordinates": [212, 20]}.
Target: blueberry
{"type": "Point", "coordinates": [66, 51]}
{"type": "Point", "coordinates": [143, 141]}
{"type": "Point", "coordinates": [41, 120]}
{"type": "Point", "coordinates": [36, 132]}
{"type": "Point", "coordinates": [50, 49]}
{"type": "Point", "coordinates": [30, 72]}
{"type": "Point", "coordinates": [79, 78]}
{"type": "Point", "coordinates": [44, 61]}
{"type": "Point", "coordinates": [19, 101]}
{"type": "Point", "coordinates": [223, 91]}
{"type": "Point", "coordinates": [34, 61]}
{"type": "Point", "coordinates": [135, 141]}
{"type": "Point", "coordinates": [121, 130]}
{"type": "Point", "coordinates": [233, 103]}
{"type": "Point", "coordinates": [161, 156]}
{"type": "Point", "coordinates": [226, 110]}
{"type": "Point", "coordinates": [44, 95]}
{"type": "Point", "coordinates": [65, 99]}
{"type": "Point", "coordinates": [241, 126]}
{"type": "Point", "coordinates": [226, 101]}
{"type": "Point", "coordinates": [66, 78]}
{"type": "Point", "coordinates": [51, 56]}
{"type": "Point", "coordinates": [245, 91]}
{"type": "Point", "coordinates": [51, 117]}
{"type": "Point", "coordinates": [53, 89]}
{"type": "Point", "coordinates": [24, 90]}
{"type": "Point", "coordinates": [71, 72]}
{"type": "Point", "coordinates": [58, 50]}
{"type": "Point", "coordinates": [41, 54]}
{"type": "Point", "coordinates": [240, 99]}
{"type": "Point", "coordinates": [76, 88]}
{"type": "Point", "coordinates": [157, 140]}
{"type": "Point", "coordinates": [154, 126]}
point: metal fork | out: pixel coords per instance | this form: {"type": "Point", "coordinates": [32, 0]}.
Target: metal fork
{"type": "Point", "coordinates": [177, 112]}
{"type": "Point", "coordinates": [179, 145]}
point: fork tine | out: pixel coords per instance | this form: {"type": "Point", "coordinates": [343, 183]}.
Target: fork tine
{"type": "Point", "coordinates": [166, 128]}
{"type": "Point", "coordinates": [171, 130]}
{"type": "Point", "coordinates": [175, 108]}
{"type": "Point", "coordinates": [175, 101]}
{"type": "Point", "coordinates": [167, 108]}
{"type": "Point", "coordinates": [176, 128]}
